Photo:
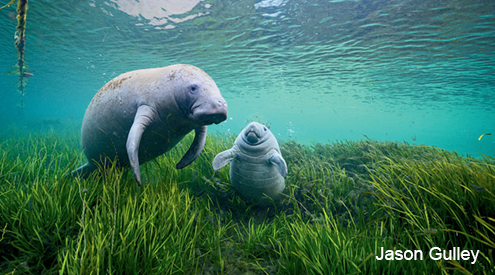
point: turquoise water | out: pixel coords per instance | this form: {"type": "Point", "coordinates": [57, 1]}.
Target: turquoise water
{"type": "Point", "coordinates": [316, 71]}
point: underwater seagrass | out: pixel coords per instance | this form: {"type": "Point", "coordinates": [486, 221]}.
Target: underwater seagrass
{"type": "Point", "coordinates": [142, 114]}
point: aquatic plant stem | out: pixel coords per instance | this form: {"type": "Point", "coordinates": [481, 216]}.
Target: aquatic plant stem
{"type": "Point", "coordinates": [83, 200]}
{"type": "Point", "coordinates": [8, 5]}
{"type": "Point", "coordinates": [20, 43]}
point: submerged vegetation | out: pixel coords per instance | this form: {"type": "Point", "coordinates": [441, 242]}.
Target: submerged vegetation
{"type": "Point", "coordinates": [20, 44]}
{"type": "Point", "coordinates": [343, 202]}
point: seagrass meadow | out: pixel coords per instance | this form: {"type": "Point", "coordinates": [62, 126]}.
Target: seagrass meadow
{"type": "Point", "coordinates": [343, 202]}
{"type": "Point", "coordinates": [384, 112]}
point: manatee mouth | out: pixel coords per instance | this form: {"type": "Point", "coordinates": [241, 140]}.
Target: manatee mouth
{"type": "Point", "coordinates": [252, 137]}
{"type": "Point", "coordinates": [213, 118]}
{"type": "Point", "coordinates": [210, 113]}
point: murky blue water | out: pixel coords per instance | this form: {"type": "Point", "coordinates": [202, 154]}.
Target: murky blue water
{"type": "Point", "coordinates": [419, 71]}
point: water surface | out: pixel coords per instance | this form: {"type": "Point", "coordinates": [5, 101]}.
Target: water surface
{"type": "Point", "coordinates": [316, 71]}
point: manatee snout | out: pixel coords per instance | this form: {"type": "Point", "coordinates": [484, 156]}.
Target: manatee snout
{"type": "Point", "coordinates": [212, 111]}
{"type": "Point", "coordinates": [252, 137]}
{"type": "Point", "coordinates": [254, 132]}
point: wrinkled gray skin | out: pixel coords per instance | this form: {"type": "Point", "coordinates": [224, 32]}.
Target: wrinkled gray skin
{"type": "Point", "coordinates": [256, 164]}
{"type": "Point", "coordinates": [142, 114]}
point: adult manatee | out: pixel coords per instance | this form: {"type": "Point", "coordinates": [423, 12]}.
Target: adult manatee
{"type": "Point", "coordinates": [142, 114]}
{"type": "Point", "coordinates": [256, 164]}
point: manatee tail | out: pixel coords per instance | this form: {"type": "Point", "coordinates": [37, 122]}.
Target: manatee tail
{"type": "Point", "coordinates": [84, 171]}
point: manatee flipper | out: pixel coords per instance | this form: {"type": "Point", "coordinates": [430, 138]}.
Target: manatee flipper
{"type": "Point", "coordinates": [84, 171]}
{"type": "Point", "coordinates": [276, 159]}
{"type": "Point", "coordinates": [144, 117]}
{"type": "Point", "coordinates": [223, 159]}
{"type": "Point", "coordinates": [196, 148]}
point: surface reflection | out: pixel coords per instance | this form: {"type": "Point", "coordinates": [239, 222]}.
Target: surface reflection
{"type": "Point", "coordinates": [160, 13]}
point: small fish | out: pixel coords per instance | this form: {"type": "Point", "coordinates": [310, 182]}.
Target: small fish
{"type": "Point", "coordinates": [26, 74]}
{"type": "Point", "coordinates": [414, 138]}
{"type": "Point", "coordinates": [478, 189]}
{"type": "Point", "coordinates": [487, 134]}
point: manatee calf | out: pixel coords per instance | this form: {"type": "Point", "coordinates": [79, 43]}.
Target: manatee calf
{"type": "Point", "coordinates": [142, 114]}
{"type": "Point", "coordinates": [256, 164]}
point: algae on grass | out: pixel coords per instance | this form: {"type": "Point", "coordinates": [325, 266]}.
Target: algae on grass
{"type": "Point", "coordinates": [344, 202]}
{"type": "Point", "coordinates": [20, 44]}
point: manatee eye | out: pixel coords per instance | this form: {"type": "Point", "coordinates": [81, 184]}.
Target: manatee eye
{"type": "Point", "coordinates": [264, 129]}
{"type": "Point", "coordinates": [193, 89]}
